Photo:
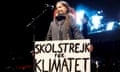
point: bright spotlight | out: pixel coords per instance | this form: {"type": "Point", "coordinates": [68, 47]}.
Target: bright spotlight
{"type": "Point", "coordinates": [119, 23]}
{"type": "Point", "coordinates": [99, 12]}
{"type": "Point", "coordinates": [79, 16]}
{"type": "Point", "coordinates": [96, 21]}
{"type": "Point", "coordinates": [110, 26]}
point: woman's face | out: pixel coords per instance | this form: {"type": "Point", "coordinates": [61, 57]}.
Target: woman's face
{"type": "Point", "coordinates": [61, 9]}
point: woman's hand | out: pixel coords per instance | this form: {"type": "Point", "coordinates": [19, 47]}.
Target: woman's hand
{"type": "Point", "coordinates": [90, 48]}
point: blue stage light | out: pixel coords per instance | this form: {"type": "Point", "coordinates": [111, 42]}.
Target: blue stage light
{"type": "Point", "coordinates": [110, 26]}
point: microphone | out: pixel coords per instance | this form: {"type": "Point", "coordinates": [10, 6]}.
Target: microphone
{"type": "Point", "coordinates": [60, 17]}
{"type": "Point", "coordinates": [49, 6]}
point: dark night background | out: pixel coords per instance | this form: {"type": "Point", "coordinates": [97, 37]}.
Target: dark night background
{"type": "Point", "coordinates": [18, 40]}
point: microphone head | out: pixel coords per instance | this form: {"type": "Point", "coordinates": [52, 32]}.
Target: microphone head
{"type": "Point", "coordinates": [60, 17]}
{"type": "Point", "coordinates": [49, 6]}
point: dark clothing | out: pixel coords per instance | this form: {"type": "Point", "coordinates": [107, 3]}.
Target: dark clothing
{"type": "Point", "coordinates": [58, 31]}
{"type": "Point", "coordinates": [85, 30]}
